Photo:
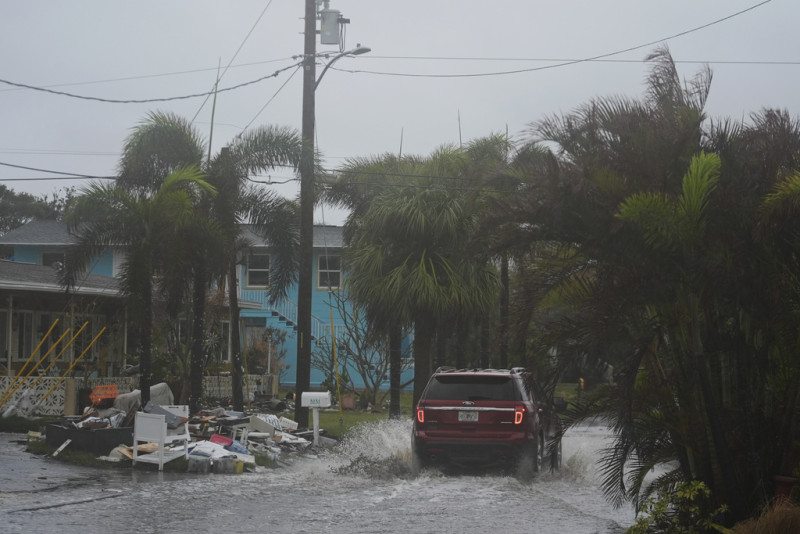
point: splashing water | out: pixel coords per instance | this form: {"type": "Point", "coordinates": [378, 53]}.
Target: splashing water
{"type": "Point", "coordinates": [376, 450]}
{"type": "Point", "coordinates": [567, 500]}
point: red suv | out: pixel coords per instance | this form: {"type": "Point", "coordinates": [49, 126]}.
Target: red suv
{"type": "Point", "coordinates": [484, 417]}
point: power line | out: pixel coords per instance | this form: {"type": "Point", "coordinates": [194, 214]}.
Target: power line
{"type": "Point", "coordinates": [219, 77]}
{"type": "Point", "coordinates": [55, 152]}
{"type": "Point", "coordinates": [158, 75]}
{"type": "Point", "coordinates": [267, 103]}
{"type": "Point", "coordinates": [148, 100]}
{"type": "Point", "coordinates": [562, 63]}
{"type": "Point", "coordinates": [58, 178]}
{"type": "Point", "coordinates": [417, 58]}
{"type": "Point", "coordinates": [550, 60]}
{"type": "Point", "coordinates": [47, 170]}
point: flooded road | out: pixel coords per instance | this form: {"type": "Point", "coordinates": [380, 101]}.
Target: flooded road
{"type": "Point", "coordinates": [363, 486]}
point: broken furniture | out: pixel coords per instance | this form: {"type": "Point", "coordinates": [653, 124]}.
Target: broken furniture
{"type": "Point", "coordinates": [153, 428]}
{"type": "Point", "coordinates": [98, 441]}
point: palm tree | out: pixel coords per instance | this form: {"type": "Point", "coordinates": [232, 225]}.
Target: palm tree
{"type": "Point", "coordinates": [353, 191]}
{"type": "Point", "coordinates": [598, 276]}
{"type": "Point", "coordinates": [412, 254]}
{"type": "Point", "coordinates": [165, 141]}
{"type": "Point", "coordinates": [271, 216]}
{"type": "Point", "coordinates": [145, 227]}
{"type": "Point", "coordinates": [676, 267]}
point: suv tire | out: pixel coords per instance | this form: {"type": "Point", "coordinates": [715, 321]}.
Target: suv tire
{"type": "Point", "coordinates": [531, 459]}
{"type": "Point", "coordinates": [417, 463]}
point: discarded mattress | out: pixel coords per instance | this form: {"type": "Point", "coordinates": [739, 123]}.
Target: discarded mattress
{"type": "Point", "coordinates": [159, 394]}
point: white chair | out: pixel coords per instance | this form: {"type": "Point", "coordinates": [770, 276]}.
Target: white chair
{"type": "Point", "coordinates": [152, 428]}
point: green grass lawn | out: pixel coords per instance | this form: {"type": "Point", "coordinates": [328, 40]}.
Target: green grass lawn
{"type": "Point", "coordinates": [336, 425]}
{"type": "Point", "coordinates": [567, 390]}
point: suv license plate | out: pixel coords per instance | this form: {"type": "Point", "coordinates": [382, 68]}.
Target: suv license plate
{"type": "Point", "coordinates": [468, 417]}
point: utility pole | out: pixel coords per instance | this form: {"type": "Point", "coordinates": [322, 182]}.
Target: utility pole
{"type": "Point", "coordinates": [303, 376]}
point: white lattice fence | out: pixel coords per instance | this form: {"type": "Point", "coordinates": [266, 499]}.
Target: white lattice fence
{"type": "Point", "coordinates": [219, 387]}
{"type": "Point", "coordinates": [213, 388]}
{"type": "Point", "coordinates": [52, 405]}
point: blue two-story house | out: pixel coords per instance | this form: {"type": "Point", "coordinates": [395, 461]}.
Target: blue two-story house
{"type": "Point", "coordinates": [40, 246]}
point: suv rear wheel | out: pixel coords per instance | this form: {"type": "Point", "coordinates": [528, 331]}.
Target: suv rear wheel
{"type": "Point", "coordinates": [531, 460]}
{"type": "Point", "coordinates": [417, 462]}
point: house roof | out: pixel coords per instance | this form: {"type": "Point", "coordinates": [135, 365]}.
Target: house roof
{"type": "Point", "coordinates": [54, 233]}
{"type": "Point", "coordinates": [324, 237]}
{"type": "Point", "coordinates": [30, 277]}
{"type": "Point", "coordinates": [50, 233]}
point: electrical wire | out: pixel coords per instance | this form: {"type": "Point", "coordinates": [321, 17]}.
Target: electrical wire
{"type": "Point", "coordinates": [267, 103]}
{"type": "Point", "coordinates": [58, 178]}
{"type": "Point", "coordinates": [563, 63]}
{"type": "Point", "coordinates": [47, 170]}
{"type": "Point", "coordinates": [159, 75]}
{"type": "Point", "coordinates": [550, 60]}
{"type": "Point", "coordinates": [219, 77]}
{"type": "Point", "coordinates": [149, 100]}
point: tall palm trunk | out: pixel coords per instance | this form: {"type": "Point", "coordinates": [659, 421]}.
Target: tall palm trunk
{"type": "Point", "coordinates": [721, 462]}
{"type": "Point", "coordinates": [441, 348]}
{"type": "Point", "coordinates": [502, 329]}
{"type": "Point", "coordinates": [395, 355]}
{"type": "Point", "coordinates": [483, 328]}
{"type": "Point", "coordinates": [424, 332]}
{"type": "Point", "coordinates": [198, 333]}
{"type": "Point", "coordinates": [145, 367]}
{"type": "Point", "coordinates": [236, 344]}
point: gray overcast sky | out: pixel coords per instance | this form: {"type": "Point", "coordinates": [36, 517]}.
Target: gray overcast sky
{"type": "Point", "coordinates": [145, 50]}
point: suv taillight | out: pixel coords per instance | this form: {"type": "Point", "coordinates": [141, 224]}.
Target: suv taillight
{"type": "Point", "coordinates": [519, 413]}
{"type": "Point", "coordinates": [420, 415]}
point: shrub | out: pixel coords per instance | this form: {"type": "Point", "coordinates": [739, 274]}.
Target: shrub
{"type": "Point", "coordinates": [686, 510]}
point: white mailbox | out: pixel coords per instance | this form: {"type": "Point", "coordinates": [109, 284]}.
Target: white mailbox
{"type": "Point", "coordinates": [316, 399]}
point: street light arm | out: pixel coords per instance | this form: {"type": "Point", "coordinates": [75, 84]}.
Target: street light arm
{"type": "Point", "coordinates": [357, 51]}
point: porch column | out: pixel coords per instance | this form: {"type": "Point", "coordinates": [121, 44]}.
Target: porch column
{"type": "Point", "coordinates": [8, 333]}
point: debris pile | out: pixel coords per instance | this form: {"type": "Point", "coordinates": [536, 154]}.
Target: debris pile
{"type": "Point", "coordinates": [217, 440]}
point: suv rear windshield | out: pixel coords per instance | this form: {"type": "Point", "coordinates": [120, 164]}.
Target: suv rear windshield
{"type": "Point", "coordinates": [472, 388]}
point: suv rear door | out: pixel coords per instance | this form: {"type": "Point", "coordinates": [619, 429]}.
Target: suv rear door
{"type": "Point", "coordinates": [475, 405]}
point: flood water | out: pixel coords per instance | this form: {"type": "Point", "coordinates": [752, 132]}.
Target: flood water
{"type": "Point", "coordinates": [362, 486]}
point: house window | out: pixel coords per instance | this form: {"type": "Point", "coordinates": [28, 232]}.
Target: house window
{"type": "Point", "coordinates": [49, 258]}
{"type": "Point", "coordinates": [47, 324]}
{"type": "Point", "coordinates": [329, 272]}
{"type": "Point", "coordinates": [258, 270]}
{"type": "Point", "coordinates": [4, 338]}
{"type": "Point", "coordinates": [21, 335]}
{"type": "Point", "coordinates": [83, 341]}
